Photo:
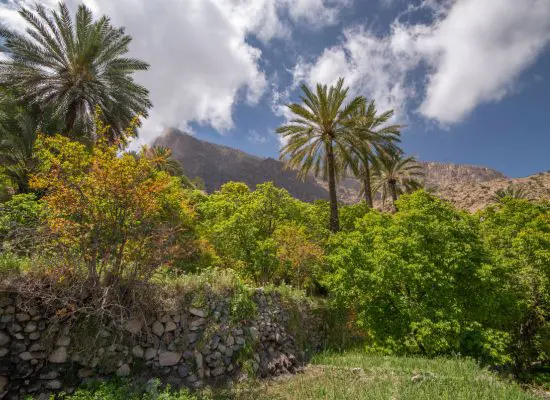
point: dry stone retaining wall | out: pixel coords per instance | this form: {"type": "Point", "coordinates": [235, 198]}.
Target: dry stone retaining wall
{"type": "Point", "coordinates": [192, 346]}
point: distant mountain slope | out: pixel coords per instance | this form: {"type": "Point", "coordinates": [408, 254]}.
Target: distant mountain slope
{"type": "Point", "coordinates": [468, 187]}
{"type": "Point", "coordinates": [217, 164]}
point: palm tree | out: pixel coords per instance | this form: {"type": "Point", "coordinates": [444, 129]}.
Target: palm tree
{"type": "Point", "coordinates": [19, 128]}
{"type": "Point", "coordinates": [18, 133]}
{"type": "Point", "coordinates": [371, 139]}
{"type": "Point", "coordinates": [514, 192]}
{"type": "Point", "coordinates": [162, 160]}
{"type": "Point", "coordinates": [396, 174]}
{"type": "Point", "coordinates": [316, 137]}
{"type": "Point", "coordinates": [73, 67]}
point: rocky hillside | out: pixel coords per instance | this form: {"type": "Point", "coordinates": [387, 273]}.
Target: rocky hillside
{"type": "Point", "coordinates": [216, 164]}
{"type": "Point", "coordinates": [467, 186]}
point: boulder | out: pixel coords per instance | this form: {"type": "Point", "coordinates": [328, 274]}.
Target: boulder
{"type": "Point", "coordinates": [137, 351]}
{"type": "Point", "coordinates": [133, 326]}
{"type": "Point", "coordinates": [4, 339]}
{"type": "Point", "coordinates": [150, 353]}
{"type": "Point", "coordinates": [58, 356]}
{"type": "Point", "coordinates": [169, 358]}
{"type": "Point", "coordinates": [123, 370]}
{"type": "Point", "coordinates": [170, 326]}
{"type": "Point", "coordinates": [158, 328]}
{"type": "Point", "coordinates": [198, 312]}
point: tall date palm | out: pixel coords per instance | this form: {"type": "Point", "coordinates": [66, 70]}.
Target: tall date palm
{"type": "Point", "coordinates": [316, 136]}
{"type": "Point", "coordinates": [72, 67]}
{"type": "Point", "coordinates": [396, 174]}
{"type": "Point", "coordinates": [371, 139]}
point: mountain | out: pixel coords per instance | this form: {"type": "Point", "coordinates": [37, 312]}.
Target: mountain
{"type": "Point", "coordinates": [467, 186]}
{"type": "Point", "coordinates": [216, 164]}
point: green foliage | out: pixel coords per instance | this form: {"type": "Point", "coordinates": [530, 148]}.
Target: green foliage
{"type": "Point", "coordinates": [73, 66]}
{"type": "Point", "coordinates": [252, 231]}
{"type": "Point", "coordinates": [125, 390]}
{"type": "Point", "coordinates": [517, 232]}
{"type": "Point", "coordinates": [415, 280]}
{"type": "Point", "coordinates": [242, 306]}
{"type": "Point", "coordinates": [21, 220]}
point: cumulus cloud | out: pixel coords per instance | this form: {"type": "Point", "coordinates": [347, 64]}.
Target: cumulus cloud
{"type": "Point", "coordinates": [201, 63]}
{"type": "Point", "coordinates": [474, 50]}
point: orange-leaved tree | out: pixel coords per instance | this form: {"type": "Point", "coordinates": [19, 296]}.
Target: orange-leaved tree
{"type": "Point", "coordinates": [117, 213]}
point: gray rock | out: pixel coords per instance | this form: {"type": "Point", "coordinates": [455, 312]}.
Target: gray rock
{"type": "Point", "coordinates": [4, 319]}
{"type": "Point", "coordinates": [137, 351]}
{"type": "Point", "coordinates": [123, 370]}
{"type": "Point", "coordinates": [198, 312]}
{"type": "Point", "coordinates": [49, 376]}
{"type": "Point", "coordinates": [230, 341]}
{"type": "Point", "coordinates": [3, 352]}
{"type": "Point", "coordinates": [26, 356]}
{"type": "Point", "coordinates": [4, 338]}
{"type": "Point", "coordinates": [133, 326]}
{"type": "Point", "coordinates": [169, 358]}
{"type": "Point", "coordinates": [58, 356]}
{"type": "Point", "coordinates": [218, 371]}
{"type": "Point", "coordinates": [158, 328]}
{"type": "Point", "coordinates": [63, 341]}
{"type": "Point", "coordinates": [22, 317]}
{"type": "Point", "coordinates": [54, 385]}
{"type": "Point", "coordinates": [150, 353]}
{"type": "Point", "coordinates": [19, 336]}
{"type": "Point", "coordinates": [254, 333]}
{"type": "Point", "coordinates": [191, 338]}
{"type": "Point", "coordinates": [34, 336]}
{"type": "Point", "coordinates": [170, 326]}
{"type": "Point", "coordinates": [85, 373]}
{"type": "Point", "coordinates": [31, 327]}
{"type": "Point", "coordinates": [199, 360]}
{"type": "Point", "coordinates": [188, 355]}
{"type": "Point", "coordinates": [16, 328]}
{"type": "Point", "coordinates": [183, 371]}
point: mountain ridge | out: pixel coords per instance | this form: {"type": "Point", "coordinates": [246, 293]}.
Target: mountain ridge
{"type": "Point", "coordinates": [469, 187]}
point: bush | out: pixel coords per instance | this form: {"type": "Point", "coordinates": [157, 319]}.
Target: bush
{"type": "Point", "coordinates": [124, 390]}
{"type": "Point", "coordinates": [115, 212]}
{"type": "Point", "coordinates": [415, 280]}
{"type": "Point", "coordinates": [21, 222]}
{"type": "Point", "coordinates": [517, 234]}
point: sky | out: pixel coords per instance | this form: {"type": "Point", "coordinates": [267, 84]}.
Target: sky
{"type": "Point", "coordinates": [470, 79]}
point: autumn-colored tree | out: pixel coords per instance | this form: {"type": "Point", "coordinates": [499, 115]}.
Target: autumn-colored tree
{"type": "Point", "coordinates": [299, 257]}
{"type": "Point", "coordinates": [115, 212]}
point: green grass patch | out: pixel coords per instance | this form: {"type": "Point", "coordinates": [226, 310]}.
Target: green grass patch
{"type": "Point", "coordinates": [358, 376]}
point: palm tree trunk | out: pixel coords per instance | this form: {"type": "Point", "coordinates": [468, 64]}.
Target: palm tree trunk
{"type": "Point", "coordinates": [334, 220]}
{"type": "Point", "coordinates": [367, 186]}
{"type": "Point", "coordinates": [393, 192]}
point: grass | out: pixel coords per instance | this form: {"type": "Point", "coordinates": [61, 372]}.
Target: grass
{"type": "Point", "coordinates": [354, 376]}
{"type": "Point", "coordinates": [358, 376]}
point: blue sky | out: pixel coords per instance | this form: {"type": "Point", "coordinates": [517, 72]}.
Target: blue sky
{"type": "Point", "coordinates": [469, 78]}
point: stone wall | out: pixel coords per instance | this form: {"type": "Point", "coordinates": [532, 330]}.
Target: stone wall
{"type": "Point", "coordinates": [191, 345]}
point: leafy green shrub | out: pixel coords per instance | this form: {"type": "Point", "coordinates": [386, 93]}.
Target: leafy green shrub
{"type": "Point", "coordinates": [415, 280]}
{"type": "Point", "coordinates": [124, 390]}
{"type": "Point", "coordinates": [517, 234]}
{"type": "Point", "coordinates": [11, 264]}
{"type": "Point", "coordinates": [21, 219]}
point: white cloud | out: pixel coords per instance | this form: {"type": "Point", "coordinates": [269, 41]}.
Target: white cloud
{"type": "Point", "coordinates": [257, 138]}
{"type": "Point", "coordinates": [475, 50]}
{"type": "Point", "coordinates": [372, 66]}
{"type": "Point", "coordinates": [201, 63]}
